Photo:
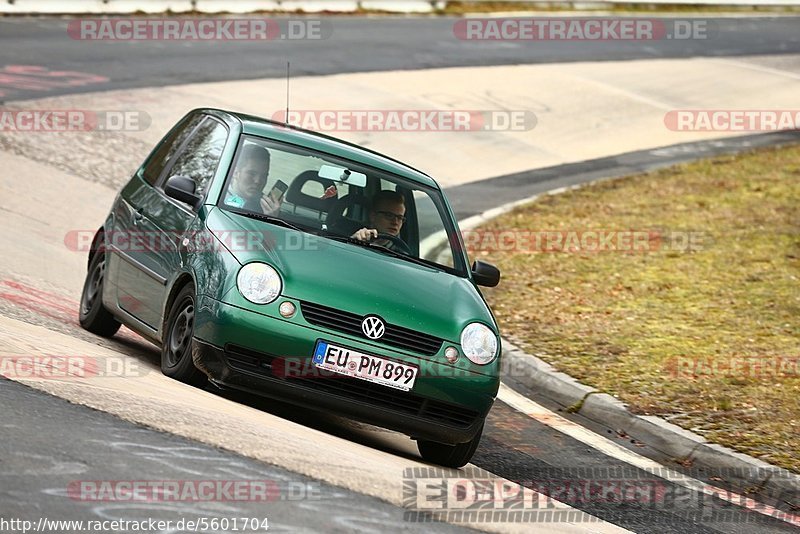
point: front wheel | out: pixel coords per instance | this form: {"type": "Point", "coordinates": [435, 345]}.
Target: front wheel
{"type": "Point", "coordinates": [176, 353]}
{"type": "Point", "coordinates": [454, 456]}
{"type": "Point", "coordinates": [92, 315]}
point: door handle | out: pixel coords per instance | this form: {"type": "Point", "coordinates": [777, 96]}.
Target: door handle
{"type": "Point", "coordinates": [137, 215]}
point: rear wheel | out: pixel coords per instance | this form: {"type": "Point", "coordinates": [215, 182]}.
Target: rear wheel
{"type": "Point", "coordinates": [454, 456]}
{"type": "Point", "coordinates": [92, 315]}
{"type": "Point", "coordinates": [176, 353]}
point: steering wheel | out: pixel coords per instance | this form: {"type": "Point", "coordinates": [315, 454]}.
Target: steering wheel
{"type": "Point", "coordinates": [399, 244]}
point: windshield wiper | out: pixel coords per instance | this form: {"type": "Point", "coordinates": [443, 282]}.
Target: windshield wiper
{"type": "Point", "coordinates": [272, 219]}
{"type": "Point", "coordinates": [343, 238]}
{"type": "Point", "coordinates": [396, 254]}
{"type": "Point", "coordinates": [382, 249]}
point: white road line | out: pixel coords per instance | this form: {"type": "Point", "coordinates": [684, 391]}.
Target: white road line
{"type": "Point", "coordinates": [543, 415]}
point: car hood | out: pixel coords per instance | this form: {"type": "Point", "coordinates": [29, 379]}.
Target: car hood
{"type": "Point", "coordinates": [356, 279]}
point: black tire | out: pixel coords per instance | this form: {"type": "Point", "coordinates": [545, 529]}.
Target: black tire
{"type": "Point", "coordinates": [454, 456]}
{"type": "Point", "coordinates": [92, 315]}
{"type": "Point", "coordinates": [176, 352]}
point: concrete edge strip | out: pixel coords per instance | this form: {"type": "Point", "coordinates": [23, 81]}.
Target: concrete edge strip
{"type": "Point", "coordinates": [604, 409]}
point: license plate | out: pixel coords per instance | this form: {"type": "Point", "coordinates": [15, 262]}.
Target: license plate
{"type": "Point", "coordinates": [367, 367]}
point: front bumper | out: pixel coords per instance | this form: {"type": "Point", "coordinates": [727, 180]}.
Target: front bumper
{"type": "Point", "coordinates": [248, 351]}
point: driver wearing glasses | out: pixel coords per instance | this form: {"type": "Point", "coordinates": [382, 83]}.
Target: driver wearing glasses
{"type": "Point", "coordinates": [386, 218]}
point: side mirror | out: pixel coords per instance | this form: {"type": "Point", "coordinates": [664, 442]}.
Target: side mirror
{"type": "Point", "coordinates": [485, 274]}
{"type": "Point", "coordinates": [182, 188]}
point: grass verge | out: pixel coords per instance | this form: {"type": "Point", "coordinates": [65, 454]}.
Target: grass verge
{"type": "Point", "coordinates": [703, 327]}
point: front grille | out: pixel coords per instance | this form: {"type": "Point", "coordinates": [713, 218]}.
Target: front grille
{"type": "Point", "coordinates": [350, 323]}
{"type": "Point", "coordinates": [243, 359]}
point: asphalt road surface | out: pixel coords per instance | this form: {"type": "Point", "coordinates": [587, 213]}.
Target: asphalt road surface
{"type": "Point", "coordinates": [43, 465]}
{"type": "Point", "coordinates": [360, 45]}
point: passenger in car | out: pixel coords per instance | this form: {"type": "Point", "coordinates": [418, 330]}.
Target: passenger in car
{"type": "Point", "coordinates": [249, 178]}
{"type": "Point", "coordinates": [386, 216]}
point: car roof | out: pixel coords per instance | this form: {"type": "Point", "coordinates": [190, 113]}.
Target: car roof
{"type": "Point", "coordinates": [295, 135]}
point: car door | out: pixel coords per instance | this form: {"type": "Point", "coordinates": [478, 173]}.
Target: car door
{"type": "Point", "coordinates": [165, 220]}
{"type": "Point", "coordinates": [131, 267]}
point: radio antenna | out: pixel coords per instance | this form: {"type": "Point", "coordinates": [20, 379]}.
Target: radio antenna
{"type": "Point", "coordinates": [286, 121]}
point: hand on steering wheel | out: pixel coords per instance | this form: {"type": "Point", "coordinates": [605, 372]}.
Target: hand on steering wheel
{"type": "Point", "coordinates": [365, 234]}
{"type": "Point", "coordinates": [371, 235]}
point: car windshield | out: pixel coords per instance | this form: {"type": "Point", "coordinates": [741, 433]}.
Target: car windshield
{"type": "Point", "coordinates": [344, 200]}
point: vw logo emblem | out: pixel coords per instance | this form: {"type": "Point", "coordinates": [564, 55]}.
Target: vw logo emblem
{"type": "Point", "coordinates": [373, 327]}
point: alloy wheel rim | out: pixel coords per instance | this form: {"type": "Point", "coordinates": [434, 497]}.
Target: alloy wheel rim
{"type": "Point", "coordinates": [180, 336]}
{"type": "Point", "coordinates": [92, 287]}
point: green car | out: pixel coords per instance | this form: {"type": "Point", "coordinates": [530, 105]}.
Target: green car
{"type": "Point", "coordinates": [281, 262]}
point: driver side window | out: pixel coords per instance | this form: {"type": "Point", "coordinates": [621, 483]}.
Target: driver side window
{"type": "Point", "coordinates": [166, 150]}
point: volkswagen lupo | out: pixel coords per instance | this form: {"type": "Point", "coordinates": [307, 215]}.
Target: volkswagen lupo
{"type": "Point", "coordinates": [286, 263]}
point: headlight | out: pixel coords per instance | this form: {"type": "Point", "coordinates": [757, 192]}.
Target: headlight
{"type": "Point", "coordinates": [479, 343]}
{"type": "Point", "coordinates": [259, 283]}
